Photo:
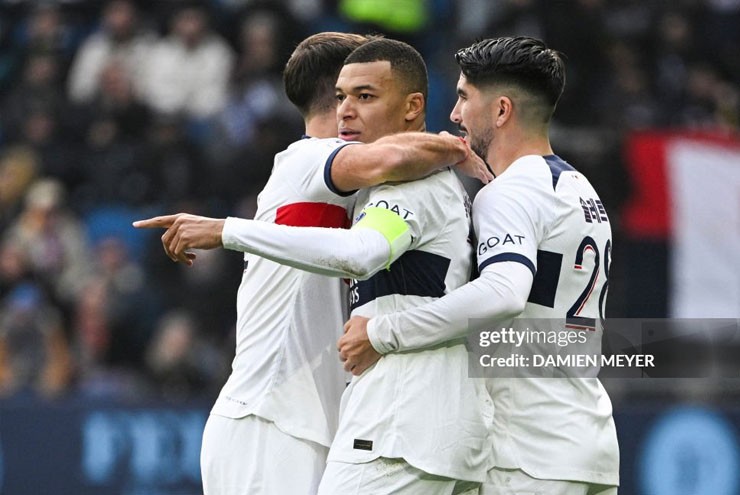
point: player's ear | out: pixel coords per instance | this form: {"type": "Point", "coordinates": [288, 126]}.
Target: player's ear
{"type": "Point", "coordinates": [502, 109]}
{"type": "Point", "coordinates": [414, 106]}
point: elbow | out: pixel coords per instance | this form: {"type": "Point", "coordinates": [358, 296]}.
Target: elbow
{"type": "Point", "coordinates": [357, 270]}
{"type": "Point", "coordinates": [510, 300]}
{"type": "Point", "coordinates": [362, 275]}
{"type": "Point", "coordinates": [514, 306]}
{"type": "Point", "coordinates": [513, 301]}
{"type": "Point", "coordinates": [366, 271]}
{"type": "Point", "coordinates": [369, 254]}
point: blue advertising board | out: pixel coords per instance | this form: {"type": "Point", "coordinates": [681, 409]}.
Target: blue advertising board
{"type": "Point", "coordinates": [85, 448]}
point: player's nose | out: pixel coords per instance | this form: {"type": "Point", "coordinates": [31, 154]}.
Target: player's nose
{"type": "Point", "coordinates": [455, 114]}
{"type": "Point", "coordinates": [346, 109]}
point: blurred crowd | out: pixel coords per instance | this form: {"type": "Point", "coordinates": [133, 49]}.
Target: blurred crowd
{"type": "Point", "coordinates": [116, 110]}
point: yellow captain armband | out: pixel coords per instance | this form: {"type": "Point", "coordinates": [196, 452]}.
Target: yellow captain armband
{"type": "Point", "coordinates": [391, 225]}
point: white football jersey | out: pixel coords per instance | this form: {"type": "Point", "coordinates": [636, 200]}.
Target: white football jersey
{"type": "Point", "coordinates": [419, 406]}
{"type": "Point", "coordinates": [288, 321]}
{"type": "Point", "coordinates": [544, 214]}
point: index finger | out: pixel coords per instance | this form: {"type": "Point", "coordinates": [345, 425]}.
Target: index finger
{"type": "Point", "coordinates": [164, 222]}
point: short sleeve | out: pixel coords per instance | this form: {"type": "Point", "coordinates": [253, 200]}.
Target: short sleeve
{"type": "Point", "coordinates": [328, 164]}
{"type": "Point", "coordinates": [506, 218]}
{"type": "Point", "coordinates": [303, 168]}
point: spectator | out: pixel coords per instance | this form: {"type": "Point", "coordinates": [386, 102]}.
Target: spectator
{"type": "Point", "coordinates": [32, 114]}
{"type": "Point", "coordinates": [47, 31]}
{"type": "Point", "coordinates": [97, 374]}
{"type": "Point", "coordinates": [257, 94]}
{"type": "Point", "coordinates": [626, 101]}
{"type": "Point", "coordinates": [206, 289]}
{"type": "Point", "coordinates": [114, 166]}
{"type": "Point", "coordinates": [34, 355]}
{"type": "Point", "coordinates": [721, 37]}
{"type": "Point", "coordinates": [113, 319]}
{"type": "Point", "coordinates": [122, 41]}
{"type": "Point", "coordinates": [117, 103]}
{"type": "Point", "coordinates": [181, 363]}
{"type": "Point", "coordinates": [710, 103]}
{"type": "Point", "coordinates": [37, 91]}
{"type": "Point", "coordinates": [174, 165]}
{"type": "Point", "coordinates": [675, 49]}
{"type": "Point", "coordinates": [188, 71]}
{"type": "Point", "coordinates": [52, 239]}
{"type": "Point", "coordinates": [18, 169]}
{"type": "Point", "coordinates": [258, 120]}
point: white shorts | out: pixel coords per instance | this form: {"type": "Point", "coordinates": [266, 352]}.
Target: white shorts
{"type": "Point", "coordinates": [517, 482]}
{"type": "Point", "coordinates": [387, 476]}
{"type": "Point", "coordinates": [251, 456]}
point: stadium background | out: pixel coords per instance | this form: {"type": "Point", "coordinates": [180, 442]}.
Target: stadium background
{"type": "Point", "coordinates": [111, 355]}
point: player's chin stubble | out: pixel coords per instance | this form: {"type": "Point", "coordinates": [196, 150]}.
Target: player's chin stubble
{"type": "Point", "coordinates": [481, 144]}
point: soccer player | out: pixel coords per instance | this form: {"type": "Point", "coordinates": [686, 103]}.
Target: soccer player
{"type": "Point", "coordinates": [273, 422]}
{"type": "Point", "coordinates": [413, 424]}
{"type": "Point", "coordinates": [544, 247]}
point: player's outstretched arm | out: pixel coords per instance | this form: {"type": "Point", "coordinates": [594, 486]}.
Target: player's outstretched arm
{"type": "Point", "coordinates": [500, 292]}
{"type": "Point", "coordinates": [402, 157]}
{"type": "Point", "coordinates": [372, 244]}
{"type": "Point", "coordinates": [356, 253]}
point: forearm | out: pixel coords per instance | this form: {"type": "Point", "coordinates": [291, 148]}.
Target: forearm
{"type": "Point", "coordinates": [398, 157]}
{"type": "Point", "coordinates": [356, 253]}
{"type": "Point", "coordinates": [497, 294]}
{"type": "Point", "coordinates": [420, 154]}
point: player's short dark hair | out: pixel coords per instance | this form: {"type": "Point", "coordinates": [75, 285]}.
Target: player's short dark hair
{"type": "Point", "coordinates": [407, 65]}
{"type": "Point", "coordinates": [311, 73]}
{"type": "Point", "coordinates": [522, 61]}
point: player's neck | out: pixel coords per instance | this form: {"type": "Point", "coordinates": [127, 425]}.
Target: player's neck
{"type": "Point", "coordinates": [322, 125]}
{"type": "Point", "coordinates": [505, 150]}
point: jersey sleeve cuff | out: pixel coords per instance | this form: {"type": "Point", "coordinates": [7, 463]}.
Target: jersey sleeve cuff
{"type": "Point", "coordinates": [229, 234]}
{"type": "Point", "coordinates": [327, 173]}
{"type": "Point", "coordinates": [379, 334]}
{"type": "Point", "coordinates": [516, 257]}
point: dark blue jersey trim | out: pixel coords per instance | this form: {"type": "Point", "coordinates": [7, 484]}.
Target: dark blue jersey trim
{"type": "Point", "coordinates": [557, 166]}
{"type": "Point", "coordinates": [415, 273]}
{"type": "Point", "coordinates": [499, 258]}
{"type": "Point", "coordinates": [545, 284]}
{"type": "Point", "coordinates": [327, 174]}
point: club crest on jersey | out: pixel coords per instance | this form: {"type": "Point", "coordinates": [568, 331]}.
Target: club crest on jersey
{"type": "Point", "coordinates": [593, 210]}
{"type": "Point", "coordinates": [493, 241]}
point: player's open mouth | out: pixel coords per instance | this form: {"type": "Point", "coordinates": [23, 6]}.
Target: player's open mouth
{"type": "Point", "coordinates": [349, 134]}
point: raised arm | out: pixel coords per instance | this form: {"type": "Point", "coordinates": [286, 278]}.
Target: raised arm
{"type": "Point", "coordinates": [402, 157]}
